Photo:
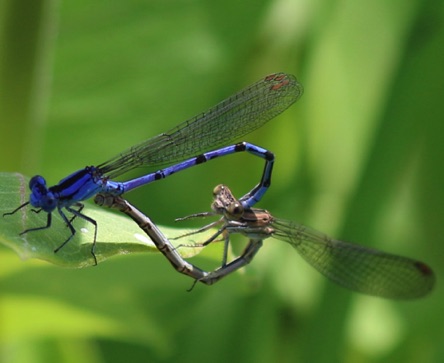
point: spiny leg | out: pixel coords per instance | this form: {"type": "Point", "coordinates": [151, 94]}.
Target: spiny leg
{"type": "Point", "coordinates": [73, 231]}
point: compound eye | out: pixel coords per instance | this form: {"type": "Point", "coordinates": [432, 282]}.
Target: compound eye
{"type": "Point", "coordinates": [235, 210]}
{"type": "Point", "coordinates": [37, 181]}
{"type": "Point", "coordinates": [217, 190]}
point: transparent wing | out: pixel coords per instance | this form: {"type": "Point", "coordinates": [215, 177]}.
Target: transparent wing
{"type": "Point", "coordinates": [224, 123]}
{"type": "Point", "coordinates": [355, 267]}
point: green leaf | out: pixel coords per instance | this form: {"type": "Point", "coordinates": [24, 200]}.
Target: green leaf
{"type": "Point", "coordinates": [116, 234]}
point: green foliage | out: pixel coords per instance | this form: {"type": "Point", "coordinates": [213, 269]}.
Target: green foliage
{"type": "Point", "coordinates": [358, 157]}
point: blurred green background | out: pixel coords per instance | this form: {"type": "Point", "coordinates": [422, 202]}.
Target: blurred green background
{"type": "Point", "coordinates": [358, 157]}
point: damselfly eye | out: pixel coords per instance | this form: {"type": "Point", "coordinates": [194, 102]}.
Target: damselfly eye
{"type": "Point", "coordinates": [217, 190]}
{"type": "Point", "coordinates": [235, 210]}
{"type": "Point", "coordinates": [37, 181]}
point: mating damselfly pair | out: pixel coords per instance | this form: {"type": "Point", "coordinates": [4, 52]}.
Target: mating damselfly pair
{"type": "Point", "coordinates": [201, 139]}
